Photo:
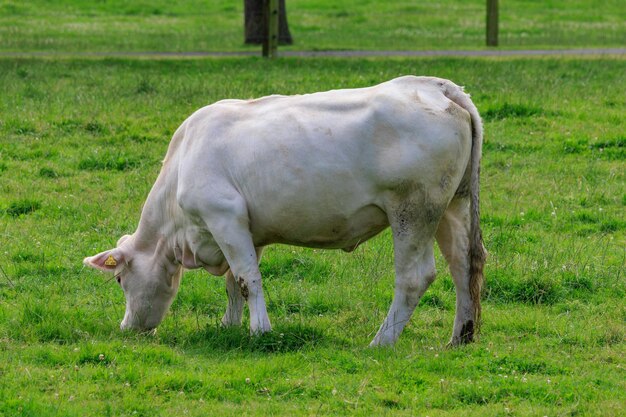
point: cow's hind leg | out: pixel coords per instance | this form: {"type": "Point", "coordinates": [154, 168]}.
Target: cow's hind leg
{"type": "Point", "coordinates": [415, 270]}
{"type": "Point", "coordinates": [234, 310]}
{"type": "Point", "coordinates": [453, 239]}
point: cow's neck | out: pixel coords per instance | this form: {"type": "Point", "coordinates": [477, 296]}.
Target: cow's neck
{"type": "Point", "coordinates": [162, 219]}
{"type": "Point", "coordinates": [165, 228]}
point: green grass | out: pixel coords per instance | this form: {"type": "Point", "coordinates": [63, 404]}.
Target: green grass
{"type": "Point", "coordinates": [217, 25]}
{"type": "Point", "coordinates": [81, 142]}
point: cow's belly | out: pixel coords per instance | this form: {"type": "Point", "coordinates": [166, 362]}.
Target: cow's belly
{"type": "Point", "coordinates": [329, 229]}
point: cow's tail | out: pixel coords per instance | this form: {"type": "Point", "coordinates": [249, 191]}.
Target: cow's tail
{"type": "Point", "coordinates": [477, 252]}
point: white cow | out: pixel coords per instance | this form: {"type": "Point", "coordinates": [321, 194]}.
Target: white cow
{"type": "Point", "coordinates": [323, 170]}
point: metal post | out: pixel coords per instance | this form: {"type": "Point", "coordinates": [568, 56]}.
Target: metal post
{"type": "Point", "coordinates": [492, 22]}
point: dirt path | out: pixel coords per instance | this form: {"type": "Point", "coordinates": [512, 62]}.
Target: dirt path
{"type": "Point", "coordinates": [460, 53]}
{"type": "Point", "coordinates": [338, 54]}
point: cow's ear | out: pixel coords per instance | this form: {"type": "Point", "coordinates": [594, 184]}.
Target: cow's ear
{"type": "Point", "coordinates": [105, 261]}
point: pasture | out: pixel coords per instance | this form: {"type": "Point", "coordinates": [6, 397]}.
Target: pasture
{"type": "Point", "coordinates": [80, 26]}
{"type": "Point", "coordinates": [81, 145]}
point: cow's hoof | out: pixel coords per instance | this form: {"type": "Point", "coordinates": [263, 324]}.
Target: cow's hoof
{"type": "Point", "coordinates": [261, 330]}
{"type": "Point", "coordinates": [381, 342]}
{"type": "Point", "coordinates": [458, 341]}
{"type": "Point", "coordinates": [225, 322]}
{"type": "Point", "coordinates": [465, 336]}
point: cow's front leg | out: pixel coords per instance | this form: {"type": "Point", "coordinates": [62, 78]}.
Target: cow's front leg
{"type": "Point", "coordinates": [236, 301]}
{"type": "Point", "coordinates": [228, 225]}
{"type": "Point", "coordinates": [252, 291]}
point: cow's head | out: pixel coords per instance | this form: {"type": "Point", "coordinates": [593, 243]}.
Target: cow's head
{"type": "Point", "coordinates": [148, 277]}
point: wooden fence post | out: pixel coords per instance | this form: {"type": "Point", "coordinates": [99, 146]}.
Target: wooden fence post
{"type": "Point", "coordinates": [255, 23]}
{"type": "Point", "coordinates": [272, 26]}
{"type": "Point", "coordinates": [270, 44]}
{"type": "Point", "coordinates": [492, 22]}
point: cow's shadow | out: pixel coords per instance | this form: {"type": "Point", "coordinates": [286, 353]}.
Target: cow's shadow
{"type": "Point", "coordinates": [283, 339]}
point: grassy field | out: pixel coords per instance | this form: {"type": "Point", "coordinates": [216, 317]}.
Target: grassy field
{"type": "Point", "coordinates": [81, 143]}
{"type": "Point", "coordinates": [217, 25]}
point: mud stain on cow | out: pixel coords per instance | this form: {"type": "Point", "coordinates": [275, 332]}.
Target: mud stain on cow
{"type": "Point", "coordinates": [325, 131]}
{"type": "Point", "coordinates": [447, 178]}
{"type": "Point", "coordinates": [433, 212]}
{"type": "Point", "coordinates": [453, 109]}
{"type": "Point", "coordinates": [457, 111]}
{"type": "Point", "coordinates": [405, 189]}
{"type": "Point", "coordinates": [467, 332]}
{"type": "Point", "coordinates": [430, 111]}
{"type": "Point", "coordinates": [405, 210]}
{"type": "Point", "coordinates": [413, 208]}
{"type": "Point", "coordinates": [405, 217]}
{"type": "Point", "coordinates": [444, 182]}
{"type": "Point", "coordinates": [244, 287]}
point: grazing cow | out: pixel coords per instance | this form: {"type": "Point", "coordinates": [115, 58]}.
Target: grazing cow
{"type": "Point", "coordinates": [323, 170]}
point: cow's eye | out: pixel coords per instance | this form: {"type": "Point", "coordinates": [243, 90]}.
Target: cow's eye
{"type": "Point", "coordinates": [119, 280]}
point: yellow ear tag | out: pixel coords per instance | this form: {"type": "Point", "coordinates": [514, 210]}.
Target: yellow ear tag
{"type": "Point", "coordinates": [110, 261]}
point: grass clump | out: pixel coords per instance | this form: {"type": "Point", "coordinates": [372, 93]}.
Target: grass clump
{"type": "Point", "coordinates": [46, 172]}
{"type": "Point", "coordinates": [42, 322]}
{"type": "Point", "coordinates": [108, 162]}
{"type": "Point", "coordinates": [509, 110]}
{"type": "Point", "coordinates": [532, 289]}
{"type": "Point", "coordinates": [95, 128]}
{"type": "Point", "coordinates": [283, 339]}
{"type": "Point", "coordinates": [512, 365]}
{"type": "Point", "coordinates": [609, 149]}
{"type": "Point", "coordinates": [22, 207]}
